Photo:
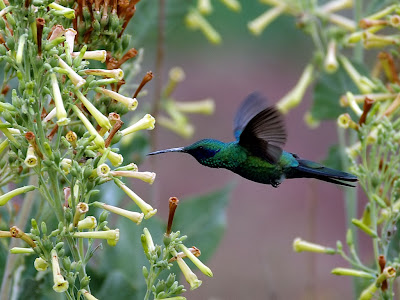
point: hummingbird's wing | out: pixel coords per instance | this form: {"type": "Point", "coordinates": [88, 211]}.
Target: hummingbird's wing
{"type": "Point", "coordinates": [260, 128]}
{"type": "Point", "coordinates": [251, 106]}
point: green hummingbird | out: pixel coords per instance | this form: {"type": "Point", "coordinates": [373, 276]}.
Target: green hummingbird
{"type": "Point", "coordinates": [257, 153]}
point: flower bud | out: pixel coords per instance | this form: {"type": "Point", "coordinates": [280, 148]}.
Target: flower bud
{"type": "Point", "coordinates": [300, 245]}
{"type": "Point", "coordinates": [40, 264]}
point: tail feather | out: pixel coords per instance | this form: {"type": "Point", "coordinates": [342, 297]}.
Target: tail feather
{"type": "Point", "coordinates": [310, 169]}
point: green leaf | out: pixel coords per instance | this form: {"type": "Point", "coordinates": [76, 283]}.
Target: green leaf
{"type": "Point", "coordinates": [377, 5]}
{"type": "Point", "coordinates": [127, 257]}
{"type": "Point", "coordinates": [328, 90]}
{"type": "Point", "coordinates": [145, 21]}
{"type": "Point", "coordinates": [334, 159]}
{"type": "Point", "coordinates": [203, 220]}
{"type": "Point", "coordinates": [394, 244]}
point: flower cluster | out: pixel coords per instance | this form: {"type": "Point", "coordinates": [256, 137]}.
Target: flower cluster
{"type": "Point", "coordinates": [162, 257]}
{"type": "Point", "coordinates": [177, 120]}
{"type": "Point", "coordinates": [196, 18]}
{"type": "Point", "coordinates": [60, 124]}
{"type": "Point", "coordinates": [373, 124]}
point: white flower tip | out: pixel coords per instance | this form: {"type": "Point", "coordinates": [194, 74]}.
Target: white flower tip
{"type": "Point", "coordinates": [139, 219]}
{"type": "Point", "coordinates": [31, 161]}
{"type": "Point", "coordinates": [151, 177]}
{"type": "Point", "coordinates": [63, 121]}
{"type": "Point", "coordinates": [60, 284]}
{"type": "Point", "coordinates": [103, 170]}
{"type": "Point", "coordinates": [150, 121]}
{"type": "Point", "coordinates": [82, 207]}
{"type": "Point", "coordinates": [113, 242]}
{"type": "Point", "coordinates": [116, 159]}
{"type": "Point", "coordinates": [79, 83]}
{"type": "Point", "coordinates": [119, 74]}
{"type": "Point", "coordinates": [133, 103]}
{"type": "Point", "coordinates": [177, 74]}
{"type": "Point", "coordinates": [194, 284]}
{"type": "Point", "coordinates": [40, 264]}
{"type": "Point", "coordinates": [89, 222]}
{"type": "Point", "coordinates": [150, 213]}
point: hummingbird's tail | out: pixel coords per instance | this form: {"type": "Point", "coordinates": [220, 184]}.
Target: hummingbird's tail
{"type": "Point", "coordinates": [310, 169]}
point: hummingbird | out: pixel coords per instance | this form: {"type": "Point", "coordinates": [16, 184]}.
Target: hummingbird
{"type": "Point", "coordinates": [257, 154]}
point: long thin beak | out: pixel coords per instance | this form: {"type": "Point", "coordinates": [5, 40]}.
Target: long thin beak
{"type": "Point", "coordinates": [179, 149]}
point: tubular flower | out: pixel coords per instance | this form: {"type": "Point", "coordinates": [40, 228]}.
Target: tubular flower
{"type": "Point", "coordinates": [204, 7]}
{"type": "Point", "coordinates": [89, 222]}
{"type": "Point", "coordinates": [184, 129]}
{"type": "Point", "coordinates": [40, 264]}
{"type": "Point", "coordinates": [81, 209]}
{"type": "Point", "coordinates": [232, 4]}
{"type": "Point", "coordinates": [130, 103]}
{"type": "Point", "coordinates": [116, 73]}
{"type": "Point", "coordinates": [71, 137]}
{"type": "Point", "coordinates": [50, 115]}
{"type": "Point", "coordinates": [300, 245]}
{"type": "Point", "coordinates": [194, 20]}
{"type": "Point", "coordinates": [98, 139]}
{"type": "Point", "coordinates": [116, 159]}
{"type": "Point", "coordinates": [31, 159]}
{"type": "Point", "coordinates": [206, 107]}
{"type": "Point", "coordinates": [8, 196]}
{"type": "Point", "coordinates": [20, 50]}
{"type": "Point", "coordinates": [148, 177]}
{"type": "Point", "coordinates": [331, 64]}
{"type": "Point", "coordinates": [66, 165]}
{"type": "Point", "coordinates": [65, 11]}
{"type": "Point", "coordinates": [101, 119]}
{"type": "Point", "coordinates": [99, 55]}
{"type": "Point", "coordinates": [58, 31]}
{"type": "Point", "coordinates": [352, 272]}
{"type": "Point", "coordinates": [258, 25]}
{"type": "Point", "coordinates": [294, 97]}
{"type": "Point", "coordinates": [88, 295]}
{"type": "Point", "coordinates": [109, 235]}
{"type": "Point", "coordinates": [202, 267]}
{"type": "Point", "coordinates": [60, 284]}
{"type": "Point", "coordinates": [131, 215]}
{"type": "Point", "coordinates": [147, 122]}
{"type": "Point", "coordinates": [190, 277]}
{"type": "Point", "coordinates": [76, 79]}
{"type": "Point", "coordinates": [58, 101]}
{"type": "Point", "coordinates": [70, 34]}
{"type": "Point", "coordinates": [21, 250]}
{"type": "Point", "coordinates": [103, 170]}
{"type": "Point", "coordinates": [146, 208]}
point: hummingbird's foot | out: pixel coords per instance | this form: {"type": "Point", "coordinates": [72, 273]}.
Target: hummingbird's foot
{"type": "Point", "coordinates": [275, 184]}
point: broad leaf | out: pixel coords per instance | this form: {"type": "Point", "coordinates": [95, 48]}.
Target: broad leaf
{"type": "Point", "coordinates": [203, 220]}
{"type": "Point", "coordinates": [144, 23]}
{"type": "Point", "coordinates": [334, 159]}
{"type": "Point", "coordinates": [328, 90]}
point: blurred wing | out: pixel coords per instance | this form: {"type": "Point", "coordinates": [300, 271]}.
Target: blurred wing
{"type": "Point", "coordinates": [264, 135]}
{"type": "Point", "coordinates": [251, 106]}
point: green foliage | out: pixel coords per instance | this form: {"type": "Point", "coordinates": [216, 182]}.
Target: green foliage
{"type": "Point", "coordinates": [327, 91]}
{"type": "Point", "coordinates": [201, 218]}
{"type": "Point", "coordinates": [148, 19]}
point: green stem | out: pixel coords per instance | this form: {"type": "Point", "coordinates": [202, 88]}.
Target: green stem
{"type": "Point", "coordinates": [21, 223]}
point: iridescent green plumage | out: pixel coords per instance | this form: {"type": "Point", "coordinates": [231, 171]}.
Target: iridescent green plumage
{"type": "Point", "coordinates": [257, 152]}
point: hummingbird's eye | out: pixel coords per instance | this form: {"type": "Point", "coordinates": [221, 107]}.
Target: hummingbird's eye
{"type": "Point", "coordinates": [201, 147]}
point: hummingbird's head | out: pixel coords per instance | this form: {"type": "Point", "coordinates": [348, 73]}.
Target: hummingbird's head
{"type": "Point", "coordinates": [203, 151]}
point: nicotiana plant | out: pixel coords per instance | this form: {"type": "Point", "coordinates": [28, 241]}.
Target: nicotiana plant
{"type": "Point", "coordinates": [61, 110]}
{"type": "Point", "coordinates": [364, 96]}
